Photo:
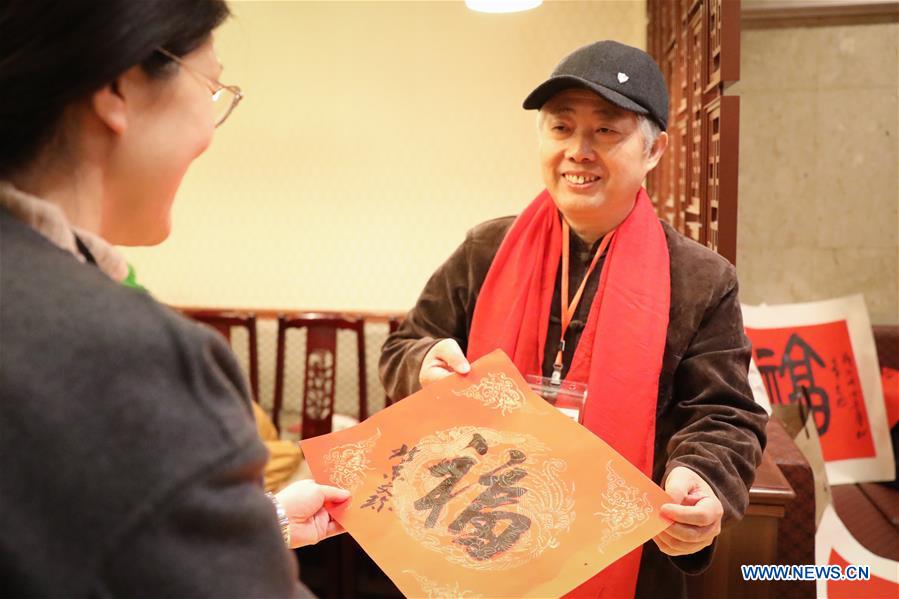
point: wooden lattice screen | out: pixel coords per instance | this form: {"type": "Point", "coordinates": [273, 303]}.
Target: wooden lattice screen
{"type": "Point", "coordinates": [697, 44]}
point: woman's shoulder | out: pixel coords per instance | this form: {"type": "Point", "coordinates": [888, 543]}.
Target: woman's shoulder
{"type": "Point", "coordinates": [66, 325]}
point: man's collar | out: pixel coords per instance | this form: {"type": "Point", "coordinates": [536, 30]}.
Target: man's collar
{"type": "Point", "coordinates": [580, 246]}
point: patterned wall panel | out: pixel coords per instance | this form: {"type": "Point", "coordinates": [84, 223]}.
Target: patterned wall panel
{"type": "Point", "coordinates": [669, 175]}
{"type": "Point", "coordinates": [721, 121]}
{"type": "Point", "coordinates": [696, 43]}
{"type": "Point", "coordinates": [693, 216]}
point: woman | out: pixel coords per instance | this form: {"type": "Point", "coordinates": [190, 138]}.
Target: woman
{"type": "Point", "coordinates": [131, 463]}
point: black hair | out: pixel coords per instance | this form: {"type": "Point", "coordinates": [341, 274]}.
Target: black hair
{"type": "Point", "coordinates": [56, 52]}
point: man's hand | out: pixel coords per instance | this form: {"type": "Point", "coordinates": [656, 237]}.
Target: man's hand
{"type": "Point", "coordinates": [304, 503]}
{"type": "Point", "coordinates": [696, 515]}
{"type": "Point", "coordinates": [442, 360]}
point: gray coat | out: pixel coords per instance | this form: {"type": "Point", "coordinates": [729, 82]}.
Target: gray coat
{"type": "Point", "coordinates": [130, 463]}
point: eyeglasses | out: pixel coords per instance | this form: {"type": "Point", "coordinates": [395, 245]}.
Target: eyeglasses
{"type": "Point", "coordinates": [225, 98]}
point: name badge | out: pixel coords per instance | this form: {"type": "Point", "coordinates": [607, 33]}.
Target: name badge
{"type": "Point", "coordinates": [567, 396]}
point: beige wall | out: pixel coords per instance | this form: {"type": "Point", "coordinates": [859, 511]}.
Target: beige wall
{"type": "Point", "coordinates": [373, 135]}
{"type": "Point", "coordinates": [819, 157]}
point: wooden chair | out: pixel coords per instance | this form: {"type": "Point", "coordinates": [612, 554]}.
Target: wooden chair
{"type": "Point", "coordinates": [330, 566]}
{"type": "Point", "coordinates": [223, 320]}
{"type": "Point", "coordinates": [319, 386]}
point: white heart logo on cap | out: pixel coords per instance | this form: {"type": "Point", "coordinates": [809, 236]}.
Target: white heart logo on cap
{"type": "Point", "coordinates": [622, 77]}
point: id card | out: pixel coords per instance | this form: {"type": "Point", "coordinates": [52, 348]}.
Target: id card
{"type": "Point", "coordinates": [568, 397]}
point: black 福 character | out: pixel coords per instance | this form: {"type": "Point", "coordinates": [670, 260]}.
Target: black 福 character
{"type": "Point", "coordinates": [454, 470]}
{"type": "Point", "coordinates": [483, 542]}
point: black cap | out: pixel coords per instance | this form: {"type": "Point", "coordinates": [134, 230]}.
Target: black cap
{"type": "Point", "coordinates": [625, 76]}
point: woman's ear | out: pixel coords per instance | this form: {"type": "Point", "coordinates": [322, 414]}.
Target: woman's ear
{"type": "Point", "coordinates": [108, 103]}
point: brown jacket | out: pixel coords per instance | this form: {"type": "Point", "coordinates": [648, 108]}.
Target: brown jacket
{"type": "Point", "coordinates": [706, 418]}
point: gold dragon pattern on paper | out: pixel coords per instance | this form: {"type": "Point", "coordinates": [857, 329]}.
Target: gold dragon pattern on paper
{"type": "Point", "coordinates": [438, 591]}
{"type": "Point", "coordinates": [624, 508]}
{"type": "Point", "coordinates": [497, 391]}
{"type": "Point", "coordinates": [348, 463]}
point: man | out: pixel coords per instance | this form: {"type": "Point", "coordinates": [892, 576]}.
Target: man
{"type": "Point", "coordinates": [651, 321]}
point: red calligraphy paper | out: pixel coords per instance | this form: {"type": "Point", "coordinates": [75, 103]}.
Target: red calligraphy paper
{"type": "Point", "coordinates": [874, 587]}
{"type": "Point", "coordinates": [819, 358]}
{"type": "Point", "coordinates": [827, 349]}
{"type": "Point", "coordinates": [889, 378]}
{"type": "Point", "coordinates": [871, 575]}
{"type": "Point", "coordinates": [476, 486]}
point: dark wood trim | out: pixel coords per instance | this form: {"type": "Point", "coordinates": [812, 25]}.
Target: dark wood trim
{"type": "Point", "coordinates": [369, 316]}
{"type": "Point", "coordinates": [817, 13]}
{"type": "Point", "coordinates": [771, 488]}
{"type": "Point", "coordinates": [278, 399]}
{"type": "Point", "coordinates": [730, 44]}
{"type": "Point", "coordinates": [769, 511]}
{"type": "Point", "coordinates": [728, 177]}
{"type": "Point", "coordinates": [697, 45]}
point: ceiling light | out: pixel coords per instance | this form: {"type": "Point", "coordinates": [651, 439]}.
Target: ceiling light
{"type": "Point", "coordinates": [502, 5]}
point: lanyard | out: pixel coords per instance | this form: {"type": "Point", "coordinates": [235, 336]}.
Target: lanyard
{"type": "Point", "coordinates": [568, 310]}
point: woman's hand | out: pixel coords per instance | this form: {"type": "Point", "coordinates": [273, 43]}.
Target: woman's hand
{"type": "Point", "coordinates": [304, 501]}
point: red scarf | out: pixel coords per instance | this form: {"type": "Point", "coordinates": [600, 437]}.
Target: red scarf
{"type": "Point", "coordinates": [619, 354]}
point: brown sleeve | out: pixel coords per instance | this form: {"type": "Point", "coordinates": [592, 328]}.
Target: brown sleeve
{"type": "Point", "coordinates": [443, 310]}
{"type": "Point", "coordinates": [720, 430]}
